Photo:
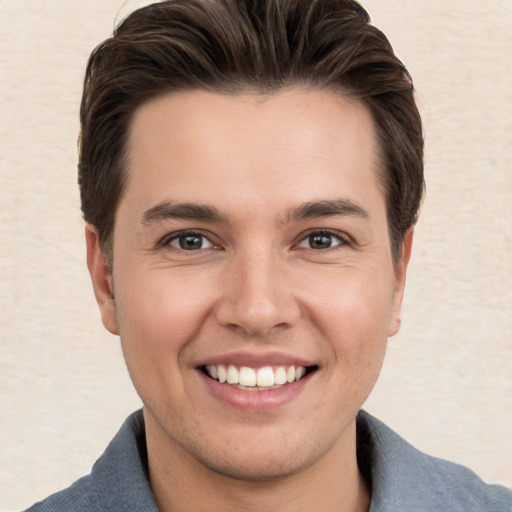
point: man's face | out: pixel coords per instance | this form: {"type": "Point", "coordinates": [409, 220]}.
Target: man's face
{"type": "Point", "coordinates": [252, 240]}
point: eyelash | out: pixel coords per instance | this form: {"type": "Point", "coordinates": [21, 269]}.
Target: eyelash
{"type": "Point", "coordinates": [166, 241]}
{"type": "Point", "coordinates": [342, 238]}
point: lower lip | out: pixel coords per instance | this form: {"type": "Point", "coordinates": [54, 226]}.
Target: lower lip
{"type": "Point", "coordinates": [256, 400]}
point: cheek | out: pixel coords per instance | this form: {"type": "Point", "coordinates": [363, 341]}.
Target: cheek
{"type": "Point", "coordinates": [158, 317]}
{"type": "Point", "coordinates": [162, 307]}
{"type": "Point", "coordinates": [354, 312]}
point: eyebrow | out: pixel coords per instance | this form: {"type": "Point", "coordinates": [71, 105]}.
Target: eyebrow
{"type": "Point", "coordinates": [326, 208]}
{"type": "Point", "coordinates": [207, 213]}
{"type": "Point", "coordinates": [191, 211]}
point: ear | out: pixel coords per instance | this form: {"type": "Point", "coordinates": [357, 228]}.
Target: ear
{"type": "Point", "coordinates": [101, 277]}
{"type": "Point", "coordinates": [400, 274]}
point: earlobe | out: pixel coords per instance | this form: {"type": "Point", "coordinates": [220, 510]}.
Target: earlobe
{"type": "Point", "coordinates": [400, 275]}
{"type": "Point", "coordinates": [101, 277]}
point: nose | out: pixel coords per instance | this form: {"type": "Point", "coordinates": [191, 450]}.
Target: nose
{"type": "Point", "coordinates": [258, 295]}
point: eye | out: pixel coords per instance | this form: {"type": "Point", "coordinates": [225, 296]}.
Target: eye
{"type": "Point", "coordinates": [321, 240]}
{"type": "Point", "coordinates": [189, 241]}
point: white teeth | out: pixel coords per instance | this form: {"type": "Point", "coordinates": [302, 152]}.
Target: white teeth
{"type": "Point", "coordinates": [223, 377]}
{"type": "Point", "coordinates": [280, 376]}
{"type": "Point", "coordinates": [265, 377]}
{"type": "Point", "coordinates": [247, 376]}
{"type": "Point", "coordinates": [233, 376]}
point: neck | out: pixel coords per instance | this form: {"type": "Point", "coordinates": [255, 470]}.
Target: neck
{"type": "Point", "coordinates": [181, 483]}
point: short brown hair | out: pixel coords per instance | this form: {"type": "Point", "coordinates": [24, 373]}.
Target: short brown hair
{"type": "Point", "coordinates": [246, 46]}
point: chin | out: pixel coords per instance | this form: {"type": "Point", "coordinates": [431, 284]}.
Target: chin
{"type": "Point", "coordinates": [258, 455]}
{"type": "Point", "coordinates": [255, 470]}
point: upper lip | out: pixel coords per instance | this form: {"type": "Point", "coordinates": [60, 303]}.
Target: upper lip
{"type": "Point", "coordinates": [256, 360]}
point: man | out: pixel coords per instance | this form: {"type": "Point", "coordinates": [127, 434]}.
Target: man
{"type": "Point", "coordinates": [250, 174]}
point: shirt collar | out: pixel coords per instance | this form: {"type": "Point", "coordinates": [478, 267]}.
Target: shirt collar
{"type": "Point", "coordinates": [401, 478]}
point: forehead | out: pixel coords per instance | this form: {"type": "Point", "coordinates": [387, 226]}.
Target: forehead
{"type": "Point", "coordinates": [292, 145]}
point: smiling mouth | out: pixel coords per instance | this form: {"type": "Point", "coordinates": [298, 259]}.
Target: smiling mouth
{"type": "Point", "coordinates": [257, 379]}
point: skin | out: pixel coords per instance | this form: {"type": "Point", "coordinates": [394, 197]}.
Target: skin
{"type": "Point", "coordinates": [258, 286]}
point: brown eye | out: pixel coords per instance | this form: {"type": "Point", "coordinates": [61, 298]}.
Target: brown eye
{"type": "Point", "coordinates": [190, 242]}
{"type": "Point", "coordinates": [321, 240]}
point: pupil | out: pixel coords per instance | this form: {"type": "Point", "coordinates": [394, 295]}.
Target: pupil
{"type": "Point", "coordinates": [320, 241]}
{"type": "Point", "coordinates": [190, 242]}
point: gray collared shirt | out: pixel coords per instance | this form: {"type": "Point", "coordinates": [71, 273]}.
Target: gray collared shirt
{"type": "Point", "coordinates": [402, 478]}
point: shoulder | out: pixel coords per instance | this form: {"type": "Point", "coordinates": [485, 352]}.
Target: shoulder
{"type": "Point", "coordinates": [76, 498]}
{"type": "Point", "coordinates": [118, 480]}
{"type": "Point", "coordinates": [403, 478]}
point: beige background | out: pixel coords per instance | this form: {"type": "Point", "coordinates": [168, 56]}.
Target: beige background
{"type": "Point", "coordinates": [446, 385]}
